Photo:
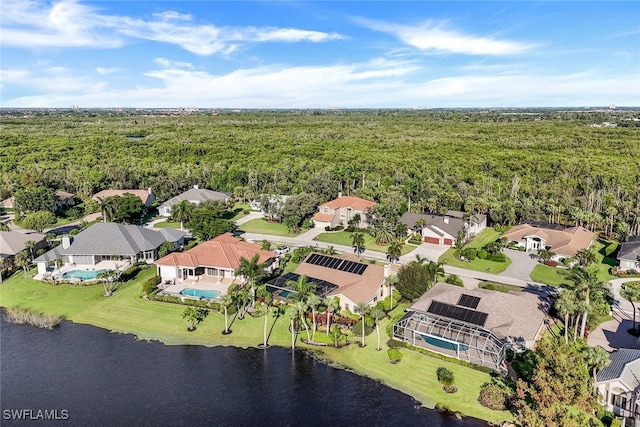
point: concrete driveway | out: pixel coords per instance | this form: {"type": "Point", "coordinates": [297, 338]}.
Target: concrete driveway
{"type": "Point", "coordinates": [522, 263]}
{"type": "Point", "coordinates": [425, 250]}
{"type": "Point", "coordinates": [613, 334]}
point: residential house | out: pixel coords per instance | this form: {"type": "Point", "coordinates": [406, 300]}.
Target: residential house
{"type": "Point", "coordinates": [65, 201]}
{"type": "Point", "coordinates": [619, 385]}
{"type": "Point", "coordinates": [341, 210]}
{"type": "Point", "coordinates": [103, 242]}
{"type": "Point", "coordinates": [177, 237]}
{"type": "Point", "coordinates": [476, 325]}
{"type": "Point", "coordinates": [146, 196]}
{"type": "Point", "coordinates": [12, 242]}
{"type": "Point", "coordinates": [212, 262]}
{"type": "Point", "coordinates": [564, 242]}
{"type": "Point", "coordinates": [629, 254]}
{"type": "Point", "coordinates": [194, 195]}
{"type": "Point", "coordinates": [352, 281]}
{"type": "Point", "coordinates": [443, 229]}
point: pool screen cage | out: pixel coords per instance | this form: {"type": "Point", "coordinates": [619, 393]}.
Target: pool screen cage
{"type": "Point", "coordinates": [452, 338]}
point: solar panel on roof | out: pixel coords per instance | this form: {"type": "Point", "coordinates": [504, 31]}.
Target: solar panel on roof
{"type": "Point", "coordinates": [313, 259]}
{"type": "Point", "coordinates": [352, 267]}
{"type": "Point", "coordinates": [457, 313]}
{"type": "Point", "coordinates": [468, 301]}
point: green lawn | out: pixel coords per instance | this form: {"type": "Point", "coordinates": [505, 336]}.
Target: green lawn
{"type": "Point", "coordinates": [487, 235]}
{"type": "Point", "coordinates": [261, 226]}
{"type": "Point", "coordinates": [237, 211]}
{"type": "Point", "coordinates": [344, 238]}
{"type": "Point", "coordinates": [477, 264]}
{"type": "Point", "coordinates": [167, 224]}
{"type": "Point", "coordinates": [549, 275]}
{"type": "Point", "coordinates": [126, 312]}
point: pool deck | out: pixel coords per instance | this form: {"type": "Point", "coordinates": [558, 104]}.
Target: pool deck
{"type": "Point", "coordinates": [103, 265]}
{"type": "Point", "coordinates": [175, 289]}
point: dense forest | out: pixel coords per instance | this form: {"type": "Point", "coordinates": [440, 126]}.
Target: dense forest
{"type": "Point", "coordinates": [545, 165]}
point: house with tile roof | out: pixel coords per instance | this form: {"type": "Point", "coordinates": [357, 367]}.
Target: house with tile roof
{"type": "Point", "coordinates": [341, 210]}
{"type": "Point", "coordinates": [476, 325]}
{"type": "Point", "coordinates": [12, 242]}
{"type": "Point", "coordinates": [65, 201]}
{"type": "Point", "coordinates": [146, 196]}
{"type": "Point", "coordinates": [104, 244]}
{"type": "Point", "coordinates": [564, 242]}
{"type": "Point", "coordinates": [195, 195]}
{"type": "Point", "coordinates": [345, 277]}
{"type": "Point", "coordinates": [443, 229]}
{"type": "Point", "coordinates": [619, 384]}
{"type": "Point", "coordinates": [212, 262]}
{"type": "Point", "coordinates": [629, 254]}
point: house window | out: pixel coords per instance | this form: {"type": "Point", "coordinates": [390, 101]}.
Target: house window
{"type": "Point", "coordinates": [346, 306]}
{"type": "Point", "coordinates": [375, 299]}
{"type": "Point", "coordinates": [212, 271]}
{"type": "Point", "coordinates": [381, 292]}
{"type": "Point", "coordinates": [619, 400]}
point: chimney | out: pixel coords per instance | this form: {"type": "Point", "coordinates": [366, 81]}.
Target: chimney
{"type": "Point", "coordinates": [387, 270]}
{"type": "Point", "coordinates": [446, 219]}
{"type": "Point", "coordinates": [66, 242]}
{"type": "Point", "coordinates": [339, 194]}
{"type": "Point", "coordinates": [150, 190]}
{"type": "Point", "coordinates": [195, 187]}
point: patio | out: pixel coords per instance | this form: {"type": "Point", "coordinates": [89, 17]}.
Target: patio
{"type": "Point", "coordinates": [174, 289]}
{"type": "Point", "coordinates": [57, 273]}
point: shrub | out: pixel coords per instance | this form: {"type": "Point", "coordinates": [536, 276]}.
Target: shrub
{"type": "Point", "coordinates": [151, 285]}
{"type": "Point", "coordinates": [327, 228]}
{"type": "Point", "coordinates": [469, 253]}
{"type": "Point", "coordinates": [551, 263]}
{"type": "Point", "coordinates": [395, 355]}
{"type": "Point", "coordinates": [21, 316]}
{"type": "Point", "coordinates": [499, 257]}
{"type": "Point", "coordinates": [521, 248]}
{"type": "Point", "coordinates": [446, 378]}
{"type": "Point", "coordinates": [452, 279]}
{"type": "Point", "coordinates": [130, 273]}
{"type": "Point", "coordinates": [611, 249]}
{"type": "Point", "coordinates": [196, 303]}
{"type": "Point", "coordinates": [482, 254]}
{"type": "Point", "coordinates": [493, 397]}
{"type": "Point", "coordinates": [616, 422]}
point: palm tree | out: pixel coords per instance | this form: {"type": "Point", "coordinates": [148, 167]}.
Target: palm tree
{"type": "Point", "coordinates": [225, 301]}
{"type": "Point", "coordinates": [252, 270]}
{"type": "Point", "coordinates": [545, 254]}
{"type": "Point", "coordinates": [420, 260]}
{"type": "Point", "coordinates": [383, 234]}
{"type": "Point", "coordinates": [586, 257]}
{"type": "Point", "coordinates": [632, 294]}
{"type": "Point", "coordinates": [30, 244]}
{"type": "Point", "coordinates": [331, 251]}
{"type": "Point", "coordinates": [597, 358]}
{"type": "Point", "coordinates": [23, 261]}
{"type": "Point", "coordinates": [565, 305]}
{"type": "Point", "coordinates": [332, 305]}
{"type": "Point", "coordinates": [4, 226]}
{"type": "Point", "coordinates": [265, 308]}
{"type": "Point", "coordinates": [435, 269]}
{"type": "Point", "coordinates": [394, 251]}
{"type": "Point", "coordinates": [445, 377]}
{"type": "Point", "coordinates": [107, 277]}
{"type": "Point", "coordinates": [362, 309]}
{"type": "Point", "coordinates": [377, 315]}
{"type": "Point", "coordinates": [108, 207]}
{"type": "Point", "coordinates": [302, 307]}
{"type": "Point", "coordinates": [2, 261]}
{"type": "Point", "coordinates": [336, 334]}
{"type": "Point", "coordinates": [313, 301]}
{"type": "Point", "coordinates": [390, 283]}
{"type": "Point", "coordinates": [241, 297]}
{"type": "Point", "coordinates": [304, 287]}
{"type": "Point", "coordinates": [292, 312]}
{"type": "Point", "coordinates": [181, 212]}
{"type": "Point", "coordinates": [357, 241]}
{"type": "Point", "coordinates": [586, 280]}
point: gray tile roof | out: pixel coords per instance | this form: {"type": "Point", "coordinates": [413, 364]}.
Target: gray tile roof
{"type": "Point", "coordinates": [199, 195]}
{"type": "Point", "coordinates": [51, 255]}
{"type": "Point", "coordinates": [114, 239]}
{"type": "Point", "coordinates": [630, 250]}
{"type": "Point", "coordinates": [12, 242]}
{"type": "Point", "coordinates": [625, 365]}
{"type": "Point", "coordinates": [433, 220]}
{"type": "Point", "coordinates": [171, 234]}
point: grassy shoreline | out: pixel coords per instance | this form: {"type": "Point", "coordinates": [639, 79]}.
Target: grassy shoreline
{"type": "Point", "coordinates": [126, 312]}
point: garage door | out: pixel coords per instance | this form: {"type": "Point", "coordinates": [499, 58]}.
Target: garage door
{"type": "Point", "coordinates": [448, 242]}
{"type": "Point", "coordinates": [433, 240]}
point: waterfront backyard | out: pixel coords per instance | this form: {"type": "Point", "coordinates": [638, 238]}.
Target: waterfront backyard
{"type": "Point", "coordinates": [126, 312]}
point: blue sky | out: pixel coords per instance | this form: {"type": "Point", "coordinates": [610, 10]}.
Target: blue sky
{"type": "Point", "coordinates": [323, 54]}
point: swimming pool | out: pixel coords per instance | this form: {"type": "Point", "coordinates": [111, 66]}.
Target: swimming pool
{"type": "Point", "coordinates": [82, 274]}
{"type": "Point", "coordinates": [200, 293]}
{"type": "Point", "coordinates": [286, 294]}
{"type": "Point", "coordinates": [446, 345]}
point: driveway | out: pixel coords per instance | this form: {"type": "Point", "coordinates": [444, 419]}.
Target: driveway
{"type": "Point", "coordinates": [613, 334]}
{"type": "Point", "coordinates": [522, 263]}
{"type": "Point", "coordinates": [425, 250]}
{"type": "Point", "coordinates": [621, 304]}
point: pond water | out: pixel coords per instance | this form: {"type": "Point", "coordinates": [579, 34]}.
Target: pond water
{"type": "Point", "coordinates": [101, 378]}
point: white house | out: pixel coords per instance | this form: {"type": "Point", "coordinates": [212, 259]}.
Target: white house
{"type": "Point", "coordinates": [565, 242]}
{"type": "Point", "coordinates": [443, 229]}
{"type": "Point", "coordinates": [629, 254]}
{"type": "Point", "coordinates": [341, 210]}
{"type": "Point", "coordinates": [195, 195]}
{"type": "Point", "coordinates": [619, 384]}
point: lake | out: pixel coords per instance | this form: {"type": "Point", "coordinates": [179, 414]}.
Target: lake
{"type": "Point", "coordinates": [93, 378]}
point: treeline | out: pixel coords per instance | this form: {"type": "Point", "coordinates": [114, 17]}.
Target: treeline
{"type": "Point", "coordinates": [549, 166]}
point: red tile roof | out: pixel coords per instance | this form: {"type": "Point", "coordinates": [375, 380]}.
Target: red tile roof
{"type": "Point", "coordinates": [355, 203]}
{"type": "Point", "coordinates": [223, 251]}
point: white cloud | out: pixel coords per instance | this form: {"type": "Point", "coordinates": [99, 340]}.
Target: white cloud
{"type": "Point", "coordinates": [434, 36]}
{"type": "Point", "coordinates": [68, 23]}
{"type": "Point", "coordinates": [107, 70]}
{"type": "Point", "coordinates": [166, 63]}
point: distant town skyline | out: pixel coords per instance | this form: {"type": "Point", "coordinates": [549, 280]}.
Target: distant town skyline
{"type": "Point", "coordinates": [323, 54]}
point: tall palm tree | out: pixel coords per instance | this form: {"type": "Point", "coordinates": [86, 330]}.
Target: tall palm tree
{"type": "Point", "coordinates": [292, 312]}
{"type": "Point", "coordinates": [241, 298]}
{"type": "Point", "coordinates": [107, 277]}
{"type": "Point", "coordinates": [313, 301]}
{"type": "Point", "coordinates": [390, 283]}
{"type": "Point", "coordinates": [435, 269]}
{"type": "Point", "coordinates": [383, 233]}
{"type": "Point", "coordinates": [304, 287]}
{"type": "Point", "coordinates": [108, 207]}
{"type": "Point", "coordinates": [252, 270]}
{"type": "Point", "coordinates": [225, 301]}
{"type": "Point", "coordinates": [30, 244]}
{"type": "Point", "coordinates": [377, 315]}
{"type": "Point", "coordinates": [597, 358]}
{"type": "Point", "coordinates": [181, 212]}
{"type": "Point", "coordinates": [586, 257]}
{"type": "Point", "coordinates": [394, 251]}
{"type": "Point", "coordinates": [265, 308]}
{"type": "Point", "coordinates": [632, 294]}
{"type": "Point", "coordinates": [420, 260]}
{"type": "Point", "coordinates": [357, 241]}
{"type": "Point", "coordinates": [565, 305]}
{"type": "Point", "coordinates": [302, 307]}
{"type": "Point", "coordinates": [332, 306]}
{"type": "Point", "coordinates": [23, 261]}
{"type": "Point", "coordinates": [362, 309]}
{"type": "Point", "coordinates": [586, 281]}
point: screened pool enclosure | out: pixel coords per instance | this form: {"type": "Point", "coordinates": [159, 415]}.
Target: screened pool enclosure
{"type": "Point", "coordinates": [452, 338]}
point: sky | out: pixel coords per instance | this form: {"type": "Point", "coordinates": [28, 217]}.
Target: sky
{"type": "Point", "coordinates": [319, 54]}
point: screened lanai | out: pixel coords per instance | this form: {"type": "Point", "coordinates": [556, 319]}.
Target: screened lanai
{"type": "Point", "coordinates": [451, 337]}
{"type": "Point", "coordinates": [282, 286]}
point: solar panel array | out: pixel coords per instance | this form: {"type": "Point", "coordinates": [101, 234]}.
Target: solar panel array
{"type": "Point", "coordinates": [458, 313]}
{"type": "Point", "coordinates": [283, 282]}
{"type": "Point", "coordinates": [468, 301]}
{"type": "Point", "coordinates": [337, 263]}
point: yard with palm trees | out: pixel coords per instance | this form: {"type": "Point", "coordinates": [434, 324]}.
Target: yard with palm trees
{"type": "Point", "coordinates": [262, 226]}
{"type": "Point", "coordinates": [345, 238]}
{"type": "Point", "coordinates": [125, 311]}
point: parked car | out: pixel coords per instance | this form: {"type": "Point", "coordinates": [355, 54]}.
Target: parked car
{"type": "Point", "coordinates": [280, 250]}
